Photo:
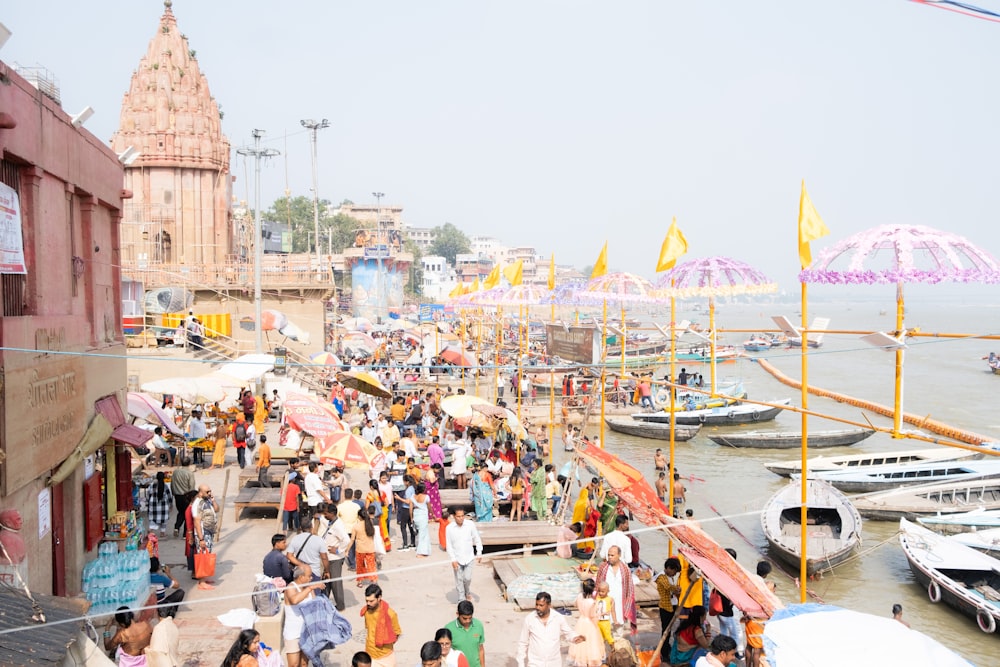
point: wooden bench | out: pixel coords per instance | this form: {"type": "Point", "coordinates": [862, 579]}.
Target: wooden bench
{"type": "Point", "coordinates": [460, 498]}
{"type": "Point", "coordinates": [518, 533]}
{"type": "Point", "coordinates": [250, 496]}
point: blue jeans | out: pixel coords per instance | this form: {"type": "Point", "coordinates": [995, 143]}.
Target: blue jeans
{"type": "Point", "coordinates": [729, 626]}
{"type": "Point", "coordinates": [646, 402]}
{"type": "Point", "coordinates": [555, 503]}
{"type": "Point", "coordinates": [290, 519]}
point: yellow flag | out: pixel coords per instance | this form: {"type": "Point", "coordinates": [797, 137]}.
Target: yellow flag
{"type": "Point", "coordinates": [513, 272]}
{"type": "Point", "coordinates": [811, 227]}
{"type": "Point", "coordinates": [458, 291]}
{"type": "Point", "coordinates": [493, 279]}
{"type": "Point", "coordinates": [552, 272]}
{"type": "Point", "coordinates": [474, 287]}
{"type": "Point", "coordinates": [674, 246]}
{"type": "Point", "coordinates": [601, 265]}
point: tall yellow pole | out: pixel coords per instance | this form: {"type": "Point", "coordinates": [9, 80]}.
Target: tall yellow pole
{"type": "Point", "coordinates": [711, 332]}
{"type": "Point", "coordinates": [624, 338]}
{"type": "Point", "coordinates": [461, 339]}
{"type": "Point", "coordinates": [897, 403]}
{"type": "Point", "coordinates": [552, 388]}
{"type": "Point", "coordinates": [479, 346]}
{"type": "Point", "coordinates": [604, 357]}
{"type": "Point", "coordinates": [804, 514]}
{"type": "Point", "coordinates": [496, 353]}
{"type": "Point", "coordinates": [520, 355]}
{"type": "Point", "coordinates": [672, 398]}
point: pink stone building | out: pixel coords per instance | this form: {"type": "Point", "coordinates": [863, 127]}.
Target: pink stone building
{"type": "Point", "coordinates": [60, 333]}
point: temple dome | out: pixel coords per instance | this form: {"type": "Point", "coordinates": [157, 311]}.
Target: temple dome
{"type": "Point", "coordinates": [168, 113]}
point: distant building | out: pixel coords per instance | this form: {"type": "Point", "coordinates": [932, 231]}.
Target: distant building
{"type": "Point", "coordinates": [422, 237]}
{"type": "Point", "coordinates": [486, 246]}
{"type": "Point", "coordinates": [439, 277]}
{"type": "Point", "coordinates": [469, 266]}
{"type": "Point", "coordinates": [61, 464]}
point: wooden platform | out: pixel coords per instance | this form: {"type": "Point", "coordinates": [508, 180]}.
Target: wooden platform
{"type": "Point", "coordinates": [256, 497]}
{"type": "Point", "coordinates": [460, 498]}
{"type": "Point", "coordinates": [518, 533]}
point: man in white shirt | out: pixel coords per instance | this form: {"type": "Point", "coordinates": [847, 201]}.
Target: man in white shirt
{"type": "Point", "coordinates": [338, 541]}
{"type": "Point", "coordinates": [618, 538]}
{"type": "Point", "coordinates": [464, 547]}
{"type": "Point", "coordinates": [408, 445]}
{"type": "Point", "coordinates": [539, 645]}
{"type": "Point", "coordinates": [368, 431]}
{"type": "Point", "coordinates": [316, 493]}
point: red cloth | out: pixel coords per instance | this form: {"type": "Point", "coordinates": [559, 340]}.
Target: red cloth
{"type": "Point", "coordinates": [385, 634]}
{"type": "Point", "coordinates": [628, 590]}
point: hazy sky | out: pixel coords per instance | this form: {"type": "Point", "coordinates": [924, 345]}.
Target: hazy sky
{"type": "Point", "coordinates": [567, 123]}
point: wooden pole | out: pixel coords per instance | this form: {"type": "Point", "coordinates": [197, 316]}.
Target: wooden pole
{"type": "Point", "coordinates": [222, 506]}
{"type": "Point", "coordinates": [804, 480]}
{"type": "Point", "coordinates": [281, 499]}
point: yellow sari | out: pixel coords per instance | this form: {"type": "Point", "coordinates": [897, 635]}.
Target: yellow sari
{"type": "Point", "coordinates": [219, 452]}
{"type": "Point", "coordinates": [580, 511]}
{"type": "Point", "coordinates": [259, 416]}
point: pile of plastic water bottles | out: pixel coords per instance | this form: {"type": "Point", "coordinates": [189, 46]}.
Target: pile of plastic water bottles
{"type": "Point", "coordinates": [116, 579]}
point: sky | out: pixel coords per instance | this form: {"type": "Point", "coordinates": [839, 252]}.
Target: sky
{"type": "Point", "coordinates": [567, 123]}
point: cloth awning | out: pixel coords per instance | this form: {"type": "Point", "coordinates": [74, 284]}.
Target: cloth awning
{"type": "Point", "coordinates": [124, 433]}
{"type": "Point", "coordinates": [728, 585]}
{"type": "Point", "coordinates": [96, 435]}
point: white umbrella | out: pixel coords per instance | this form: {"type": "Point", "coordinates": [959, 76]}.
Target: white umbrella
{"type": "Point", "coordinates": [816, 635]}
{"type": "Point", "coordinates": [247, 367]}
{"type": "Point", "coordinates": [203, 389]}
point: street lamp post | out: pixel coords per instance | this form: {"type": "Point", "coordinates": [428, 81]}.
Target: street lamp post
{"type": "Point", "coordinates": [379, 242]}
{"type": "Point", "coordinates": [314, 127]}
{"type": "Point", "coordinates": [258, 245]}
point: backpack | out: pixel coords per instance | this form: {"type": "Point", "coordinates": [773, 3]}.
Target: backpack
{"type": "Point", "coordinates": [209, 519]}
{"type": "Point", "coordinates": [240, 432]}
{"type": "Point", "coordinates": [266, 598]}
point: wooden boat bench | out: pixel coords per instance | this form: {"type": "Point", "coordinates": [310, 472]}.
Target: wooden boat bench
{"type": "Point", "coordinates": [250, 496]}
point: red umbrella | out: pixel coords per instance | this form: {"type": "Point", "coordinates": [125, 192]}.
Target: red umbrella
{"type": "Point", "coordinates": [456, 356]}
{"type": "Point", "coordinates": [305, 413]}
{"type": "Point", "coordinates": [348, 450]}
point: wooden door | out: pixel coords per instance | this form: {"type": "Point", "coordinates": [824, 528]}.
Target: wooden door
{"type": "Point", "coordinates": [58, 542]}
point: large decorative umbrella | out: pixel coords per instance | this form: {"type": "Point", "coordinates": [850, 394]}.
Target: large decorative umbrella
{"type": "Point", "coordinates": [248, 367]}
{"type": "Point", "coordinates": [306, 413]}
{"type": "Point", "coordinates": [498, 418]}
{"type": "Point", "coordinates": [525, 295]}
{"type": "Point", "coordinates": [145, 407]}
{"type": "Point", "coordinates": [902, 254]}
{"type": "Point", "coordinates": [459, 407]}
{"type": "Point", "coordinates": [814, 635]}
{"type": "Point", "coordinates": [364, 382]}
{"type": "Point", "coordinates": [711, 277]}
{"type": "Point", "coordinates": [204, 389]}
{"type": "Point", "coordinates": [357, 324]}
{"type": "Point", "coordinates": [271, 320]}
{"type": "Point", "coordinates": [747, 592]}
{"type": "Point", "coordinates": [325, 359]}
{"type": "Point", "coordinates": [348, 450]}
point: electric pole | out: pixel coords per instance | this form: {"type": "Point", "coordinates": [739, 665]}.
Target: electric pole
{"type": "Point", "coordinates": [314, 127]}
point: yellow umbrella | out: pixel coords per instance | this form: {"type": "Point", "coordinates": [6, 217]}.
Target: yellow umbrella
{"type": "Point", "coordinates": [460, 406]}
{"type": "Point", "coordinates": [364, 382]}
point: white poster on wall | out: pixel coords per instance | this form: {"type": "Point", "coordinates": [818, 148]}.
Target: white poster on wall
{"type": "Point", "coordinates": [11, 242]}
{"type": "Point", "coordinates": [44, 512]}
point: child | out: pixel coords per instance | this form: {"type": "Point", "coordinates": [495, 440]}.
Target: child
{"type": "Point", "coordinates": [263, 463]}
{"type": "Point", "coordinates": [605, 612]}
{"type": "Point", "coordinates": [589, 652]}
{"type": "Point", "coordinates": [516, 494]}
{"type": "Point", "coordinates": [443, 529]}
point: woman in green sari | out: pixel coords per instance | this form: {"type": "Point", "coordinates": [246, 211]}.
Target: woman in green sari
{"type": "Point", "coordinates": [539, 503]}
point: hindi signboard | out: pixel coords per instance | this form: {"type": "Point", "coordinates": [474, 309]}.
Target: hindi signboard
{"type": "Point", "coordinates": [580, 344]}
{"type": "Point", "coordinates": [11, 242]}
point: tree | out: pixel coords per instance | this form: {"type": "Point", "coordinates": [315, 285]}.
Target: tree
{"type": "Point", "coordinates": [449, 241]}
{"type": "Point", "coordinates": [414, 287]}
{"type": "Point", "coordinates": [335, 232]}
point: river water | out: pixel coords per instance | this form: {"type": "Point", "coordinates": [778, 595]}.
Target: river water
{"type": "Point", "coordinates": [943, 378]}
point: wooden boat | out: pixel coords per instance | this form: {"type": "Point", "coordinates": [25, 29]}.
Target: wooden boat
{"type": "Point", "coordinates": [833, 530]}
{"type": "Point", "coordinates": [820, 463]}
{"type": "Point", "coordinates": [655, 430]}
{"type": "Point", "coordinates": [987, 541]}
{"type": "Point", "coordinates": [875, 478]}
{"type": "Point", "coordinates": [792, 439]}
{"type": "Point", "coordinates": [931, 499]}
{"type": "Point", "coordinates": [994, 363]}
{"type": "Point", "coordinates": [974, 520]}
{"type": "Point", "coordinates": [953, 573]}
{"type": "Point", "coordinates": [703, 354]}
{"type": "Point", "coordinates": [757, 343]}
{"type": "Point", "coordinates": [722, 416]}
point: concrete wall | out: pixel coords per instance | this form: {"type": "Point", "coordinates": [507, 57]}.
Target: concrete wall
{"type": "Point", "coordinates": [71, 198]}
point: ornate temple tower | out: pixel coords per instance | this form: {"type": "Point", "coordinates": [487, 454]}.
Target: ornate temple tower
{"type": "Point", "coordinates": [180, 211]}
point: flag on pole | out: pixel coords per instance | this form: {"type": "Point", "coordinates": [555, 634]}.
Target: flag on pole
{"type": "Point", "coordinates": [474, 287]}
{"type": "Point", "coordinates": [458, 291]}
{"type": "Point", "coordinates": [513, 272]}
{"type": "Point", "coordinates": [493, 279]}
{"type": "Point", "coordinates": [674, 246]}
{"type": "Point", "coordinates": [811, 227]}
{"type": "Point", "coordinates": [552, 272]}
{"type": "Point", "coordinates": [601, 265]}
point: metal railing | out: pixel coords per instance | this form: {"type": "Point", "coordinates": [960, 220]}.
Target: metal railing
{"type": "Point", "coordinates": [276, 271]}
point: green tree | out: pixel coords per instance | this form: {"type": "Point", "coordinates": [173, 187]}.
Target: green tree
{"type": "Point", "coordinates": [413, 286]}
{"type": "Point", "coordinates": [337, 231]}
{"type": "Point", "coordinates": [449, 241]}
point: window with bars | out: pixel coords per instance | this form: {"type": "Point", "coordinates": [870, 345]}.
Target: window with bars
{"type": "Point", "coordinates": [12, 285]}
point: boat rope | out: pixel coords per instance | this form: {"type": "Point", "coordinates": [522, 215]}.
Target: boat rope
{"type": "Point", "coordinates": [777, 566]}
{"type": "Point", "coordinates": [863, 552]}
{"type": "Point", "coordinates": [926, 423]}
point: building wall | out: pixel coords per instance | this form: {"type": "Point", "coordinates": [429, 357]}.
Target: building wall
{"type": "Point", "coordinates": [70, 188]}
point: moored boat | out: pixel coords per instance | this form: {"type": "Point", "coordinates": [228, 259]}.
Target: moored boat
{"type": "Point", "coordinates": [792, 439]}
{"type": "Point", "coordinates": [833, 528]}
{"type": "Point", "coordinates": [953, 573]}
{"type": "Point", "coordinates": [721, 416]}
{"type": "Point", "coordinates": [961, 522]}
{"type": "Point", "coordinates": [655, 430]}
{"type": "Point", "coordinates": [875, 478]}
{"type": "Point", "coordinates": [926, 500]}
{"type": "Point", "coordinates": [757, 343]}
{"type": "Point", "coordinates": [820, 463]}
{"type": "Point", "coordinates": [987, 541]}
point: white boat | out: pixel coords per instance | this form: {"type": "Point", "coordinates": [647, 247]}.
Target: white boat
{"type": "Point", "coordinates": [875, 478]}
{"type": "Point", "coordinates": [961, 522]}
{"type": "Point", "coordinates": [987, 541]}
{"type": "Point", "coordinates": [820, 463]}
{"type": "Point", "coordinates": [730, 415]}
{"type": "Point", "coordinates": [833, 529]}
{"type": "Point", "coordinates": [953, 573]}
{"type": "Point", "coordinates": [928, 500]}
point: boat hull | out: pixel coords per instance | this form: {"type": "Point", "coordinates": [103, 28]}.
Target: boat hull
{"type": "Point", "coordinates": [831, 540]}
{"type": "Point", "coordinates": [820, 463]}
{"type": "Point", "coordinates": [945, 577]}
{"type": "Point", "coordinates": [882, 477]}
{"type": "Point", "coordinates": [912, 502]}
{"type": "Point", "coordinates": [653, 430]}
{"type": "Point", "coordinates": [791, 440]}
{"type": "Point", "coordinates": [726, 416]}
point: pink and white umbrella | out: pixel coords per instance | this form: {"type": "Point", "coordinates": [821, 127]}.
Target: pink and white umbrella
{"type": "Point", "coordinates": [145, 407]}
{"type": "Point", "coordinates": [621, 289]}
{"type": "Point", "coordinates": [525, 295]}
{"type": "Point", "coordinates": [712, 277]}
